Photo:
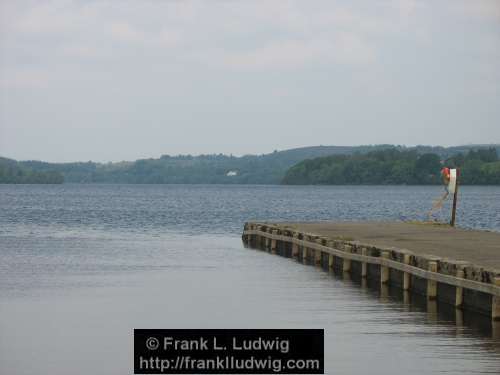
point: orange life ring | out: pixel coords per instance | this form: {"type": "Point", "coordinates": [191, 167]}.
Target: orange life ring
{"type": "Point", "coordinates": [445, 173]}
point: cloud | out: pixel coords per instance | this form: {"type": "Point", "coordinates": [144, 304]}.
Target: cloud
{"type": "Point", "coordinates": [24, 79]}
{"type": "Point", "coordinates": [237, 35]}
{"type": "Point", "coordinates": [488, 10]}
{"type": "Point", "coordinates": [257, 35]}
{"type": "Point", "coordinates": [344, 48]}
{"type": "Point", "coordinates": [164, 63]}
{"type": "Point", "coordinates": [126, 33]}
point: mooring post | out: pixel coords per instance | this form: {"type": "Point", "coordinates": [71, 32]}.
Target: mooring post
{"type": "Point", "coordinates": [364, 265]}
{"type": "Point", "coordinates": [260, 238]}
{"type": "Point", "coordinates": [295, 247]}
{"type": "Point", "coordinates": [346, 266]}
{"type": "Point", "coordinates": [459, 291]}
{"type": "Point", "coordinates": [249, 236]}
{"type": "Point", "coordinates": [317, 257]}
{"type": "Point", "coordinates": [495, 330]}
{"type": "Point", "coordinates": [432, 284]}
{"type": "Point", "coordinates": [432, 310]}
{"type": "Point", "coordinates": [495, 302]}
{"type": "Point", "coordinates": [331, 257]}
{"type": "Point", "coordinates": [384, 293]}
{"type": "Point", "coordinates": [331, 261]}
{"type": "Point", "coordinates": [263, 239]}
{"type": "Point", "coordinates": [304, 249]}
{"type": "Point", "coordinates": [406, 275]}
{"type": "Point", "coordinates": [459, 318]}
{"type": "Point", "coordinates": [267, 240]}
{"type": "Point", "coordinates": [406, 297]}
{"type": "Point", "coordinates": [384, 270]}
{"type": "Point", "coordinates": [317, 253]}
{"type": "Point", "coordinates": [274, 242]}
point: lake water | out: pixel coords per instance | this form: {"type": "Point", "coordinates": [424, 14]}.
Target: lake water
{"type": "Point", "coordinates": [81, 266]}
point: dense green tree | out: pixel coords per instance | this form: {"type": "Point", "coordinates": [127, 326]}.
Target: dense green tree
{"type": "Point", "coordinates": [427, 168]}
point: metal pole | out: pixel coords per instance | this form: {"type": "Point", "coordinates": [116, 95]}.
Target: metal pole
{"type": "Point", "coordinates": [455, 195]}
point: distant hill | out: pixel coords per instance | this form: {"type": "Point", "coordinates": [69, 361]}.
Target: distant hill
{"type": "Point", "coordinates": [447, 152]}
{"type": "Point", "coordinates": [211, 169]}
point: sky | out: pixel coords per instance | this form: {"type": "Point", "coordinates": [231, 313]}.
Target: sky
{"type": "Point", "coordinates": [122, 80]}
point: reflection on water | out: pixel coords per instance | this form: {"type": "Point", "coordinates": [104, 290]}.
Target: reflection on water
{"type": "Point", "coordinates": [81, 266]}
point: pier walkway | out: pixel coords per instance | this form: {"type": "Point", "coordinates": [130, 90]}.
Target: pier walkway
{"type": "Point", "coordinates": [481, 248]}
{"type": "Point", "coordinates": [457, 266]}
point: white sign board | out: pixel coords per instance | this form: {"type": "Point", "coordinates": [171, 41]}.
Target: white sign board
{"type": "Point", "coordinates": [452, 185]}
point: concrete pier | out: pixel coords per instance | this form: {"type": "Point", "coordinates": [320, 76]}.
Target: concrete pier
{"type": "Point", "coordinates": [455, 266]}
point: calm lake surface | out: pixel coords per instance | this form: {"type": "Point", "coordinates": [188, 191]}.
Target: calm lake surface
{"type": "Point", "coordinates": [81, 266]}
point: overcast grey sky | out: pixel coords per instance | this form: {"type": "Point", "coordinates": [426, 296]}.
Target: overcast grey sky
{"type": "Point", "coordinates": [120, 80]}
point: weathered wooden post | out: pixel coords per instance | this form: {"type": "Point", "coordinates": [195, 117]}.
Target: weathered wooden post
{"type": "Point", "coordinates": [406, 275]}
{"type": "Point", "coordinates": [258, 238]}
{"type": "Point", "coordinates": [331, 261]}
{"type": "Point", "coordinates": [249, 236]}
{"type": "Point", "coordinates": [304, 249]}
{"type": "Point", "coordinates": [331, 257]}
{"type": "Point", "coordinates": [406, 297]}
{"type": "Point", "coordinates": [384, 270]}
{"type": "Point", "coordinates": [459, 291]}
{"type": "Point", "coordinates": [384, 293]}
{"type": "Point", "coordinates": [495, 330]}
{"type": "Point", "coordinates": [346, 266]}
{"type": "Point", "coordinates": [432, 284]}
{"type": "Point", "coordinates": [364, 265]}
{"type": "Point", "coordinates": [267, 240]}
{"type": "Point", "coordinates": [274, 243]}
{"type": "Point", "coordinates": [495, 302]}
{"type": "Point", "coordinates": [432, 310]}
{"type": "Point", "coordinates": [295, 247]}
{"type": "Point", "coordinates": [317, 253]}
{"type": "Point", "coordinates": [459, 318]}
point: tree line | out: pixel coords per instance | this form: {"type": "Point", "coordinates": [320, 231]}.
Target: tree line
{"type": "Point", "coordinates": [193, 169]}
{"type": "Point", "coordinates": [395, 167]}
{"type": "Point", "coordinates": [11, 172]}
{"type": "Point", "coordinates": [371, 164]}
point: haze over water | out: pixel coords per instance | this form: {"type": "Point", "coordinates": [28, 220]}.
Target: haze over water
{"type": "Point", "coordinates": [83, 265]}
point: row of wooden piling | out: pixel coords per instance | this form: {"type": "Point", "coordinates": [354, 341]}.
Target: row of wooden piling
{"type": "Point", "coordinates": [318, 248]}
